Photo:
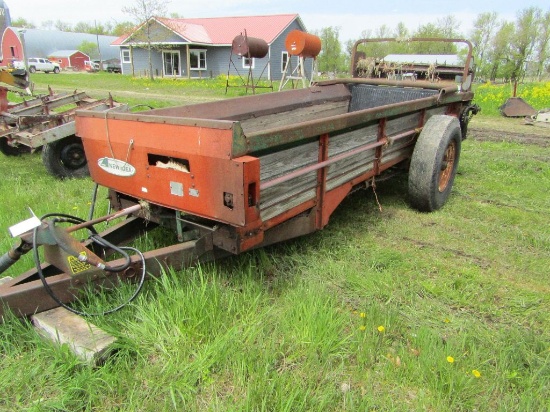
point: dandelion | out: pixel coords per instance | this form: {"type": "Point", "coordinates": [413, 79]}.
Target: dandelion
{"type": "Point", "coordinates": [362, 327]}
{"type": "Point", "coordinates": [446, 320]}
{"type": "Point", "coordinates": [381, 329]}
{"type": "Point", "coordinates": [476, 373]}
{"type": "Point", "coordinates": [363, 315]}
{"type": "Point", "coordinates": [450, 359]}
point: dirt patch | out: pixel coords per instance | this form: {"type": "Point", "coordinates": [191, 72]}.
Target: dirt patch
{"type": "Point", "coordinates": [508, 130]}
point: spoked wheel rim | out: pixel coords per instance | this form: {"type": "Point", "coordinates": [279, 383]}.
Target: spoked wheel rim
{"type": "Point", "coordinates": [447, 166]}
{"type": "Point", "coordinates": [73, 157]}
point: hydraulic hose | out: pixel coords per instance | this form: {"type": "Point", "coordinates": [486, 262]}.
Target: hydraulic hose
{"type": "Point", "coordinates": [6, 260]}
{"type": "Point", "coordinates": [13, 255]}
{"type": "Point", "coordinates": [97, 239]}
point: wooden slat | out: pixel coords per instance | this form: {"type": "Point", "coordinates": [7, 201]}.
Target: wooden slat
{"type": "Point", "coordinates": [294, 116]}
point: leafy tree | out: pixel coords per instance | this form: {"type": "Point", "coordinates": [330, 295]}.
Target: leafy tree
{"type": "Point", "coordinates": [62, 26]}
{"type": "Point", "coordinates": [401, 31]}
{"type": "Point", "coordinates": [499, 52]}
{"type": "Point", "coordinates": [89, 48]}
{"type": "Point", "coordinates": [484, 29]}
{"type": "Point", "coordinates": [143, 12]}
{"type": "Point", "coordinates": [449, 27]}
{"type": "Point", "coordinates": [543, 45]}
{"type": "Point", "coordinates": [83, 27]}
{"type": "Point", "coordinates": [95, 28]}
{"type": "Point", "coordinates": [122, 28]}
{"type": "Point", "coordinates": [429, 30]}
{"type": "Point", "coordinates": [523, 43]}
{"type": "Point", "coordinates": [446, 28]}
{"type": "Point", "coordinates": [383, 31]}
{"type": "Point", "coordinates": [21, 22]}
{"type": "Point", "coordinates": [331, 58]}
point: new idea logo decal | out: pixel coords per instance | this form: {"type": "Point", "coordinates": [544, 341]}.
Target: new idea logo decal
{"type": "Point", "coordinates": [116, 167]}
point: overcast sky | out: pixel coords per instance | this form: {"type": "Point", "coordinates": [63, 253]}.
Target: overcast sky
{"type": "Point", "coordinates": [351, 17]}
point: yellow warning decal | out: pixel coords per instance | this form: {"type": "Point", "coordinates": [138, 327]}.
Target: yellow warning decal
{"type": "Point", "coordinates": [76, 265]}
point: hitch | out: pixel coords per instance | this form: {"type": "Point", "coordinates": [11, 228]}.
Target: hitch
{"type": "Point", "coordinates": [80, 261]}
{"type": "Point", "coordinates": [72, 266]}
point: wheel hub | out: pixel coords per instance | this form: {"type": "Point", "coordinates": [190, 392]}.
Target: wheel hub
{"type": "Point", "coordinates": [447, 166]}
{"type": "Point", "coordinates": [72, 156]}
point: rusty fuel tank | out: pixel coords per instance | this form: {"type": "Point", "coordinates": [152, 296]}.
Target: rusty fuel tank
{"type": "Point", "coordinates": [299, 43]}
{"type": "Point", "coordinates": [250, 47]}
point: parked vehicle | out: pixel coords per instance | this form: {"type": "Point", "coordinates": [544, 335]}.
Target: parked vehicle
{"type": "Point", "coordinates": [91, 66]}
{"type": "Point", "coordinates": [112, 67]}
{"type": "Point", "coordinates": [44, 65]}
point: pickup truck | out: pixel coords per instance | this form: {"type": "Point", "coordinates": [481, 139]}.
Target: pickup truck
{"type": "Point", "coordinates": [44, 65]}
{"type": "Point", "coordinates": [112, 67]}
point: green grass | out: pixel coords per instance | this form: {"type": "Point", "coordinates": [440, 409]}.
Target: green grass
{"type": "Point", "coordinates": [297, 326]}
{"type": "Point", "coordinates": [140, 90]}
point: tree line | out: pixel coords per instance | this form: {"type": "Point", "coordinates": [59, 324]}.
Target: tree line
{"type": "Point", "coordinates": [503, 49]}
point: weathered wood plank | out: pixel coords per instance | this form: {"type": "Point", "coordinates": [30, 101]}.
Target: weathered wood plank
{"type": "Point", "coordinates": [294, 116]}
{"type": "Point", "coordinates": [86, 341]}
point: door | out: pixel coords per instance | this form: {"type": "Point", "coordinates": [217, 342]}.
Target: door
{"type": "Point", "coordinates": [171, 63]}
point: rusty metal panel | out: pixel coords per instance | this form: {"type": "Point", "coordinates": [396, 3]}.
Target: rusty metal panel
{"type": "Point", "coordinates": [184, 168]}
{"type": "Point", "coordinates": [517, 107]}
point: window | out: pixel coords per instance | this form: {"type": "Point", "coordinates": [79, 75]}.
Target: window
{"type": "Point", "coordinates": [248, 63]}
{"type": "Point", "coordinates": [126, 56]}
{"type": "Point", "coordinates": [12, 51]}
{"type": "Point", "coordinates": [284, 60]}
{"type": "Point", "coordinates": [197, 59]}
{"type": "Point", "coordinates": [171, 63]}
{"type": "Point", "coordinates": [293, 66]}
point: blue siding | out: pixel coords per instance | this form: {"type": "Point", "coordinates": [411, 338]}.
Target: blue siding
{"type": "Point", "coordinates": [141, 62]}
{"type": "Point", "coordinates": [219, 59]}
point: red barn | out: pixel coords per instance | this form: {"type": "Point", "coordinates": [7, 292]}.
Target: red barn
{"type": "Point", "coordinates": [70, 58]}
{"type": "Point", "coordinates": [54, 44]}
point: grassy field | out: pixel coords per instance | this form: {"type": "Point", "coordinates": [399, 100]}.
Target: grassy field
{"type": "Point", "coordinates": [384, 310]}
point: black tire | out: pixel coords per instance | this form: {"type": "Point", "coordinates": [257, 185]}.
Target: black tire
{"type": "Point", "coordinates": [32, 69]}
{"type": "Point", "coordinates": [56, 70]}
{"type": "Point", "coordinates": [8, 150]}
{"type": "Point", "coordinates": [65, 158]}
{"type": "Point", "coordinates": [434, 163]}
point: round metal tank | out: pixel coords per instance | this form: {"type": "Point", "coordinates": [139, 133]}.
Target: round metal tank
{"type": "Point", "coordinates": [251, 47]}
{"type": "Point", "coordinates": [299, 43]}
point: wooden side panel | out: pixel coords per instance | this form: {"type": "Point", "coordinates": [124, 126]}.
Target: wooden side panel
{"type": "Point", "coordinates": [277, 199]}
{"type": "Point", "coordinates": [300, 115]}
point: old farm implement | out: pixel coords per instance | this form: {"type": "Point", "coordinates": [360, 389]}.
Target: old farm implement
{"type": "Point", "coordinates": [47, 122]}
{"type": "Point", "coordinates": [230, 176]}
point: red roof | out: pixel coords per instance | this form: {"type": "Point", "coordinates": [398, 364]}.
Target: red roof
{"type": "Point", "coordinates": [222, 30]}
